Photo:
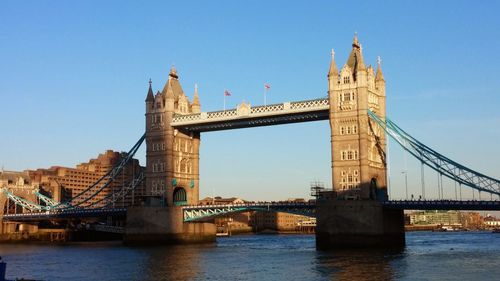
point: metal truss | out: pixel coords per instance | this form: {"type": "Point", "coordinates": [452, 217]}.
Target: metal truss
{"type": "Point", "coordinates": [71, 204]}
{"type": "Point", "coordinates": [49, 202]}
{"type": "Point", "coordinates": [436, 161]}
{"type": "Point", "coordinates": [26, 204]}
{"type": "Point", "coordinates": [66, 214]}
{"type": "Point", "coordinates": [205, 212]}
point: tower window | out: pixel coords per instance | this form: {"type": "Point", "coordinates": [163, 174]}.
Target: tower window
{"type": "Point", "coordinates": [342, 130]}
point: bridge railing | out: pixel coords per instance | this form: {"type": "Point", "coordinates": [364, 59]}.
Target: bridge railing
{"type": "Point", "coordinates": [254, 111]}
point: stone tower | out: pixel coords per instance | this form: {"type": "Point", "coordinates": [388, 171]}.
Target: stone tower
{"type": "Point", "coordinates": [172, 156]}
{"type": "Point", "coordinates": [358, 144]}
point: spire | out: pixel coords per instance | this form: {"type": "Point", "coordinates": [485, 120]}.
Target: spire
{"type": "Point", "coordinates": [355, 60]}
{"type": "Point", "coordinates": [355, 42]}
{"type": "Point", "coordinates": [333, 72]}
{"type": "Point", "coordinates": [173, 72]}
{"type": "Point", "coordinates": [149, 97]}
{"type": "Point", "coordinates": [379, 76]}
{"type": "Point", "coordinates": [196, 98]}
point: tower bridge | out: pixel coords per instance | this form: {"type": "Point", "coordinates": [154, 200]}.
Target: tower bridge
{"type": "Point", "coordinates": [357, 212]}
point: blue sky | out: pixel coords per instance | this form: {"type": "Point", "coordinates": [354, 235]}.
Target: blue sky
{"type": "Point", "coordinates": [73, 79]}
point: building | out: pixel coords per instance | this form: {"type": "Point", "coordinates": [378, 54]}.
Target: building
{"type": "Point", "coordinates": [282, 222]}
{"type": "Point", "coordinates": [172, 174]}
{"type": "Point", "coordinates": [436, 217]}
{"type": "Point", "coordinates": [491, 221]}
{"type": "Point", "coordinates": [64, 183]}
{"type": "Point", "coordinates": [20, 184]}
{"type": "Point", "coordinates": [358, 145]}
{"type": "Point", "coordinates": [217, 200]}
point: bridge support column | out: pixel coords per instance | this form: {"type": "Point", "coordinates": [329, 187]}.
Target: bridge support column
{"type": "Point", "coordinates": [164, 225]}
{"type": "Point", "coordinates": [357, 224]}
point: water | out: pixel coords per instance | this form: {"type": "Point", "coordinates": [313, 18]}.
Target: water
{"type": "Point", "coordinates": [427, 256]}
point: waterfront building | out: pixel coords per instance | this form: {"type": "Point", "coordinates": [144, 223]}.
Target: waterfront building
{"type": "Point", "coordinates": [63, 183]}
{"type": "Point", "coordinates": [217, 200]}
{"type": "Point", "coordinates": [491, 221]}
{"type": "Point", "coordinates": [436, 217]}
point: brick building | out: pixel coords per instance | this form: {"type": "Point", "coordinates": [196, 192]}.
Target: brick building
{"type": "Point", "coordinates": [64, 183]}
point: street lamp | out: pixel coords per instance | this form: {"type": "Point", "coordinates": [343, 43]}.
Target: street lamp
{"type": "Point", "coordinates": [406, 182]}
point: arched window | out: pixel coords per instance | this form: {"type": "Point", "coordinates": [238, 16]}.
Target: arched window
{"type": "Point", "coordinates": [180, 197]}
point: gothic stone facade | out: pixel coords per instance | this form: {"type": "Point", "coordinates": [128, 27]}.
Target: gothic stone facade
{"type": "Point", "coordinates": [358, 144]}
{"type": "Point", "coordinates": [172, 168]}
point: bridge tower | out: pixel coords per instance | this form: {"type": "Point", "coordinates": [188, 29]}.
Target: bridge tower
{"type": "Point", "coordinates": [358, 146]}
{"type": "Point", "coordinates": [354, 217]}
{"type": "Point", "coordinates": [172, 172]}
{"type": "Point", "coordinates": [172, 156]}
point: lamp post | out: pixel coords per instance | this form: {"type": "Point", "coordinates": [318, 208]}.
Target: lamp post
{"type": "Point", "coordinates": [406, 182]}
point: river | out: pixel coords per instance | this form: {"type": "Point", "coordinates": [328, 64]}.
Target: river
{"type": "Point", "coordinates": [427, 256]}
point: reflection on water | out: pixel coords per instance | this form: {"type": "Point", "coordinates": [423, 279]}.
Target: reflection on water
{"type": "Point", "coordinates": [175, 262]}
{"type": "Point", "coordinates": [358, 264]}
{"type": "Point", "coordinates": [428, 256]}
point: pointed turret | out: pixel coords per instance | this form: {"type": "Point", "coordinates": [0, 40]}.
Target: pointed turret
{"type": "Point", "coordinates": [355, 60]}
{"type": "Point", "coordinates": [196, 98]}
{"type": "Point", "coordinates": [333, 72]}
{"type": "Point", "coordinates": [379, 76]}
{"type": "Point", "coordinates": [195, 106]}
{"type": "Point", "coordinates": [150, 97]}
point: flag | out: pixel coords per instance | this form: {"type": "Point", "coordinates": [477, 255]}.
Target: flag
{"type": "Point", "coordinates": [267, 86]}
{"type": "Point", "coordinates": [227, 93]}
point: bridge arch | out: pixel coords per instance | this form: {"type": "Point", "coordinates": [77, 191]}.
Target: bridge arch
{"type": "Point", "coordinates": [180, 196]}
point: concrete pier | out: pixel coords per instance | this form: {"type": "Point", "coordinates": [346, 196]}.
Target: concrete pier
{"type": "Point", "coordinates": [357, 224]}
{"type": "Point", "coordinates": [164, 225]}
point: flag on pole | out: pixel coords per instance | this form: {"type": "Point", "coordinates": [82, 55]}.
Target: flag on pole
{"type": "Point", "coordinates": [227, 93]}
{"type": "Point", "coordinates": [267, 86]}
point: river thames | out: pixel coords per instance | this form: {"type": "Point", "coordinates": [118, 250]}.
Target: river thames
{"type": "Point", "coordinates": [427, 256]}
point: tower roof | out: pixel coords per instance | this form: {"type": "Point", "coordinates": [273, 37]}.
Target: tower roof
{"type": "Point", "coordinates": [379, 76]}
{"type": "Point", "coordinates": [333, 72]}
{"type": "Point", "coordinates": [173, 87]}
{"type": "Point", "coordinates": [355, 60]}
{"type": "Point", "coordinates": [150, 97]}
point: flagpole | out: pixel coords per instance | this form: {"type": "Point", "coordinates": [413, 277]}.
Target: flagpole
{"type": "Point", "coordinates": [265, 96]}
{"type": "Point", "coordinates": [224, 100]}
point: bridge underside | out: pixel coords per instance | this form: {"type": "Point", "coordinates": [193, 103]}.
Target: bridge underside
{"type": "Point", "coordinates": [250, 121]}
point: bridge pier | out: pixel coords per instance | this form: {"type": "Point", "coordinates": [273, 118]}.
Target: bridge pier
{"type": "Point", "coordinates": [164, 225]}
{"type": "Point", "coordinates": [357, 224]}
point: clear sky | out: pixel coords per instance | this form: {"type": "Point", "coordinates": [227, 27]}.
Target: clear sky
{"type": "Point", "coordinates": [73, 79]}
